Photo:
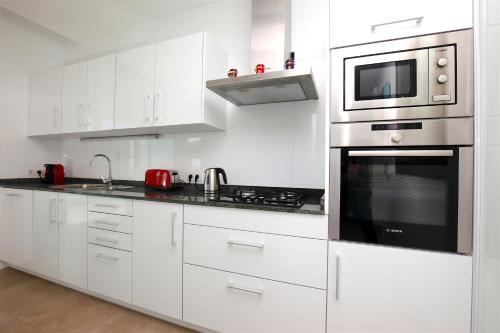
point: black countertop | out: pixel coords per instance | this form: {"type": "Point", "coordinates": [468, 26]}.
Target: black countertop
{"type": "Point", "coordinates": [190, 194]}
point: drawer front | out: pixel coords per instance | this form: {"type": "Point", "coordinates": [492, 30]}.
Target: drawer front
{"type": "Point", "coordinates": [112, 239]}
{"type": "Point", "coordinates": [292, 224]}
{"type": "Point", "coordinates": [296, 260]}
{"type": "Point", "coordinates": [110, 222]}
{"type": "Point", "coordinates": [110, 205]}
{"type": "Point", "coordinates": [246, 304]}
{"type": "Point", "coordinates": [110, 272]}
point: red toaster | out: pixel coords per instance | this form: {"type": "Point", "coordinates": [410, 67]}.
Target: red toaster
{"type": "Point", "coordinates": [158, 179]}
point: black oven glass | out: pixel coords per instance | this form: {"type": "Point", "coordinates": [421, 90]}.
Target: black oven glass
{"type": "Point", "coordinates": [394, 79]}
{"type": "Point", "coordinates": [400, 201]}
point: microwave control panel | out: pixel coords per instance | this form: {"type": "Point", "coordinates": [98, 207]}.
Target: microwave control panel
{"type": "Point", "coordinates": [442, 78]}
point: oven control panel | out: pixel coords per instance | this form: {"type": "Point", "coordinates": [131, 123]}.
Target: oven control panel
{"type": "Point", "coordinates": [442, 75]}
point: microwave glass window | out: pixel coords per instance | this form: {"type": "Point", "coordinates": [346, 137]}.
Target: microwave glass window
{"type": "Point", "coordinates": [400, 201]}
{"type": "Point", "coordinates": [394, 79]}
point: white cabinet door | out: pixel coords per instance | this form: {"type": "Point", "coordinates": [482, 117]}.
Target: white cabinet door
{"type": "Point", "coordinates": [135, 87]}
{"type": "Point", "coordinates": [100, 105]}
{"type": "Point", "coordinates": [45, 103]}
{"type": "Point", "coordinates": [17, 227]}
{"type": "Point", "coordinates": [73, 98]}
{"type": "Point", "coordinates": [73, 239]}
{"type": "Point", "coordinates": [45, 233]}
{"type": "Point", "coordinates": [360, 21]}
{"type": "Point", "coordinates": [158, 257]}
{"type": "Point", "coordinates": [179, 80]}
{"type": "Point", "coordinates": [383, 289]}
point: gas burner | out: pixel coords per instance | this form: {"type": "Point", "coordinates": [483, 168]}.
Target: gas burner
{"type": "Point", "coordinates": [284, 198]}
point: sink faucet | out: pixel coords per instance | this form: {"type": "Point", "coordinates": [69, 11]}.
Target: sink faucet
{"type": "Point", "coordinates": [108, 181]}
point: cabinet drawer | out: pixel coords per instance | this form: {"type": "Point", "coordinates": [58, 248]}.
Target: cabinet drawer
{"type": "Point", "coordinates": [111, 222]}
{"type": "Point", "coordinates": [112, 239]}
{"type": "Point", "coordinates": [302, 225]}
{"type": "Point", "coordinates": [246, 304]}
{"type": "Point", "coordinates": [110, 205]}
{"type": "Point", "coordinates": [110, 272]}
{"type": "Point", "coordinates": [296, 260]}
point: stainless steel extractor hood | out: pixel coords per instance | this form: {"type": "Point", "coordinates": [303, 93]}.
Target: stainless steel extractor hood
{"type": "Point", "coordinates": [270, 44]}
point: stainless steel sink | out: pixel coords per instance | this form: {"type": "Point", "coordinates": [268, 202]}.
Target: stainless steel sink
{"type": "Point", "coordinates": [91, 187]}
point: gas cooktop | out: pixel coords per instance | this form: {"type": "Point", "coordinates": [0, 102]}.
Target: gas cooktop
{"type": "Point", "coordinates": [267, 198]}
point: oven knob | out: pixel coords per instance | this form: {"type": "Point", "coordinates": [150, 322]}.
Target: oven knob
{"type": "Point", "coordinates": [443, 78]}
{"type": "Point", "coordinates": [442, 62]}
{"type": "Point", "coordinates": [396, 138]}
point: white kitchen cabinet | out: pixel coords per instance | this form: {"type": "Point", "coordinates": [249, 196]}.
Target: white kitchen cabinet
{"type": "Point", "coordinates": [45, 233]}
{"type": "Point", "coordinates": [17, 227]}
{"type": "Point", "coordinates": [135, 70]}
{"type": "Point", "coordinates": [384, 289]}
{"type": "Point", "coordinates": [360, 21]}
{"type": "Point", "coordinates": [73, 239]}
{"type": "Point", "coordinates": [100, 101]}
{"type": "Point", "coordinates": [158, 257]}
{"type": "Point", "coordinates": [45, 103]}
{"type": "Point", "coordinates": [73, 101]}
{"type": "Point", "coordinates": [226, 302]}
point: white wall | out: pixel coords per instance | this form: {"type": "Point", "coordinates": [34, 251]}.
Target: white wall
{"type": "Point", "coordinates": [487, 251]}
{"type": "Point", "coordinates": [24, 49]}
{"type": "Point", "coordinates": [274, 145]}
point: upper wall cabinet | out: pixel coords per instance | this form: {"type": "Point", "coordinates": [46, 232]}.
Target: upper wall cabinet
{"type": "Point", "coordinates": [45, 103]}
{"type": "Point", "coordinates": [88, 95]}
{"type": "Point", "coordinates": [164, 84]}
{"type": "Point", "coordinates": [360, 21]}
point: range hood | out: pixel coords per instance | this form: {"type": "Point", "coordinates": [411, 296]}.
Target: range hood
{"type": "Point", "coordinates": [271, 46]}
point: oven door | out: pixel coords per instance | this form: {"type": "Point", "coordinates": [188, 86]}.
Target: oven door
{"type": "Point", "coordinates": [413, 197]}
{"type": "Point", "coordinates": [391, 80]}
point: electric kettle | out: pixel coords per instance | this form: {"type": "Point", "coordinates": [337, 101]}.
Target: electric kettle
{"type": "Point", "coordinates": [212, 182]}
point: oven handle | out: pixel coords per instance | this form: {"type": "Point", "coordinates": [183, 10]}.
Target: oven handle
{"type": "Point", "coordinates": [398, 153]}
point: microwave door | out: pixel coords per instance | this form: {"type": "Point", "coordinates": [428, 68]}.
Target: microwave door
{"type": "Point", "coordinates": [391, 80]}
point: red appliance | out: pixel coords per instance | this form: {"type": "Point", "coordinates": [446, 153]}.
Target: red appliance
{"type": "Point", "coordinates": [54, 174]}
{"type": "Point", "coordinates": [158, 179]}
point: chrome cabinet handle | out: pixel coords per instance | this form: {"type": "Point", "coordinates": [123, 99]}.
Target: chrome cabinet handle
{"type": "Point", "coordinates": [106, 205]}
{"type": "Point", "coordinates": [80, 115]}
{"type": "Point", "coordinates": [105, 257]}
{"type": "Point", "coordinates": [111, 224]}
{"type": "Point", "coordinates": [12, 195]}
{"type": "Point", "coordinates": [258, 291]}
{"type": "Point", "coordinates": [86, 115]}
{"type": "Point", "coordinates": [337, 276]}
{"type": "Point", "coordinates": [231, 241]}
{"type": "Point", "coordinates": [106, 240]}
{"type": "Point", "coordinates": [146, 106]}
{"type": "Point", "coordinates": [397, 153]}
{"type": "Point", "coordinates": [156, 106]}
{"type": "Point", "coordinates": [418, 20]}
{"type": "Point", "coordinates": [174, 238]}
{"type": "Point", "coordinates": [54, 117]}
{"type": "Point", "coordinates": [61, 211]}
{"type": "Point", "coordinates": [53, 211]}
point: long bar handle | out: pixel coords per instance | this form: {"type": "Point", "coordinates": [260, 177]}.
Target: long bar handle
{"type": "Point", "coordinates": [398, 153]}
{"type": "Point", "coordinates": [174, 237]}
{"type": "Point", "coordinates": [105, 257]}
{"type": "Point", "coordinates": [156, 106]}
{"type": "Point", "coordinates": [418, 20]}
{"type": "Point", "coordinates": [337, 276]}
{"type": "Point", "coordinates": [107, 240]}
{"type": "Point", "coordinates": [61, 211]}
{"type": "Point", "coordinates": [258, 291]}
{"type": "Point", "coordinates": [55, 113]}
{"type": "Point", "coordinates": [255, 245]}
{"type": "Point", "coordinates": [111, 224]}
{"type": "Point", "coordinates": [146, 106]}
{"type": "Point", "coordinates": [53, 210]}
{"type": "Point", "coordinates": [12, 195]}
{"type": "Point", "coordinates": [106, 205]}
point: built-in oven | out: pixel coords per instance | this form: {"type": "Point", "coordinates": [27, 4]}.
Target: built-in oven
{"type": "Point", "coordinates": [420, 77]}
{"type": "Point", "coordinates": [405, 184]}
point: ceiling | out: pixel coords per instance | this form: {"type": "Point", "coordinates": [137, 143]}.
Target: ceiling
{"type": "Point", "coordinates": [81, 20]}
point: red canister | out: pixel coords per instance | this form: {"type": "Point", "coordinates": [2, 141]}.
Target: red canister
{"type": "Point", "coordinates": [259, 69]}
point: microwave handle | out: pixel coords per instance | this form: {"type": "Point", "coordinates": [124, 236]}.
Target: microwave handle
{"type": "Point", "coordinates": [418, 20]}
{"type": "Point", "coordinates": [398, 153]}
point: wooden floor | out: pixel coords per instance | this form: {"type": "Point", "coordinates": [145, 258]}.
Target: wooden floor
{"type": "Point", "coordinates": [29, 304]}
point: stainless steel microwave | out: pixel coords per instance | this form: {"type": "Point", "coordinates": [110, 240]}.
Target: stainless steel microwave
{"type": "Point", "coordinates": [421, 77]}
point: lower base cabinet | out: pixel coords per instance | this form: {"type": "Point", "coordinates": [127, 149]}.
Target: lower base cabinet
{"type": "Point", "coordinates": [110, 272]}
{"type": "Point", "coordinates": [384, 289]}
{"type": "Point", "coordinates": [228, 302]}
